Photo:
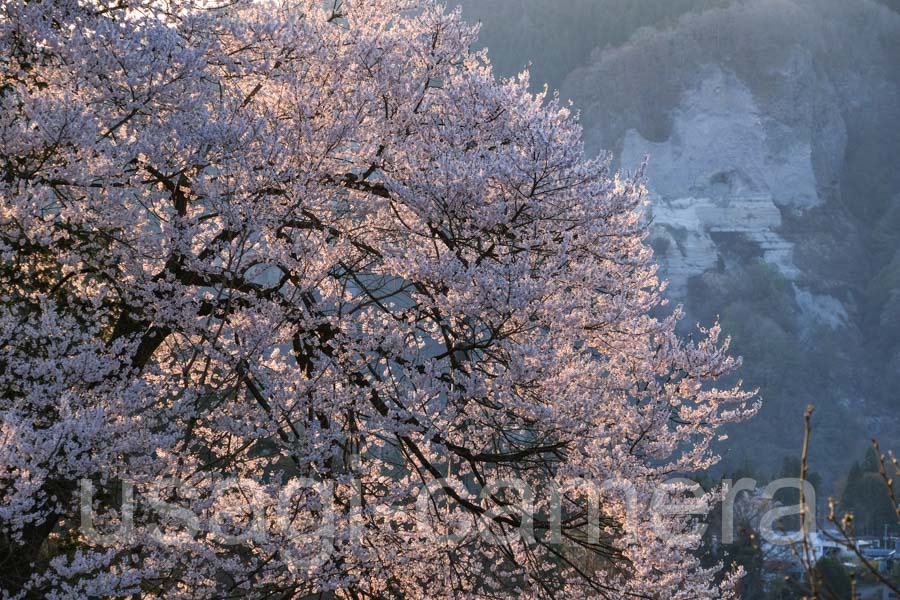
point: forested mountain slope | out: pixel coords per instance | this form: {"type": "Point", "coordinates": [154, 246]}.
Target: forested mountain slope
{"type": "Point", "coordinates": [773, 130]}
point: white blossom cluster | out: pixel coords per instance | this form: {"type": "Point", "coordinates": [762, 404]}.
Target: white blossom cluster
{"type": "Point", "coordinates": [266, 241]}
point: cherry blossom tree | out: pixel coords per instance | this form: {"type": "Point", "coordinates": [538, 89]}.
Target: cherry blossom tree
{"type": "Point", "coordinates": [303, 277]}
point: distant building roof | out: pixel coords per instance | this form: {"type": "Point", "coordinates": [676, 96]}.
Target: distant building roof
{"type": "Point", "coordinates": [879, 553]}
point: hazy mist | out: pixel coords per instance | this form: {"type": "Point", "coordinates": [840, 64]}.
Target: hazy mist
{"type": "Point", "coordinates": [773, 131]}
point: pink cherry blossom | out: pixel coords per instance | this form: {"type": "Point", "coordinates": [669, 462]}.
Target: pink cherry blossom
{"type": "Point", "coordinates": [257, 251]}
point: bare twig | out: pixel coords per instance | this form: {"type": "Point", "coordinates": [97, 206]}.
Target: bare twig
{"type": "Point", "coordinates": [844, 526]}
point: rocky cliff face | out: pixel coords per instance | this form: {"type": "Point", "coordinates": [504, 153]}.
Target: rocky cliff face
{"type": "Point", "coordinates": [721, 180]}
{"type": "Point", "coordinates": [724, 173]}
{"type": "Point", "coordinates": [772, 129]}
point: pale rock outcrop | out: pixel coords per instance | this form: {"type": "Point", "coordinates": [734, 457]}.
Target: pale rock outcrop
{"type": "Point", "coordinates": [724, 169]}
{"type": "Point", "coordinates": [773, 130]}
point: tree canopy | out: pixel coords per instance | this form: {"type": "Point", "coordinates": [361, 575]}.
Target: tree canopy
{"type": "Point", "coordinates": [299, 276]}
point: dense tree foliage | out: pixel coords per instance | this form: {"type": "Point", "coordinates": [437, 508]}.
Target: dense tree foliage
{"type": "Point", "coordinates": [833, 579]}
{"type": "Point", "coordinates": [283, 265]}
{"type": "Point", "coordinates": [866, 497]}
